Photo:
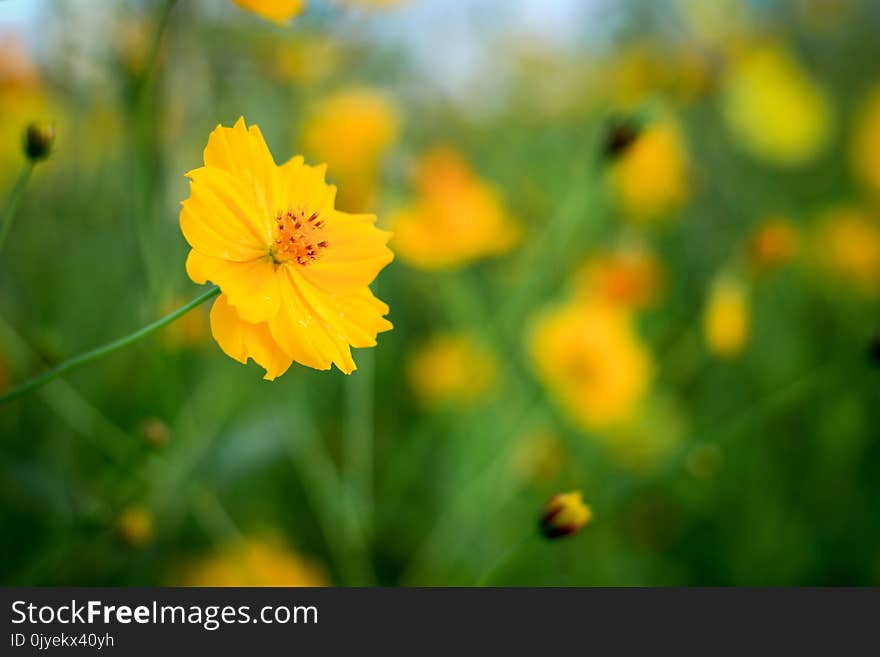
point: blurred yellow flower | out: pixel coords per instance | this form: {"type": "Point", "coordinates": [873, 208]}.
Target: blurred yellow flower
{"type": "Point", "coordinates": [451, 368]}
{"type": "Point", "coordinates": [773, 243]}
{"type": "Point", "coordinates": [848, 244]}
{"type": "Point", "coordinates": [135, 526]}
{"type": "Point", "coordinates": [651, 178]}
{"type": "Point", "coordinates": [564, 514]}
{"type": "Point", "coordinates": [727, 318]}
{"type": "Point", "coordinates": [294, 271]}
{"type": "Point", "coordinates": [591, 359]}
{"type": "Point", "coordinates": [279, 11]}
{"type": "Point", "coordinates": [629, 276]}
{"type": "Point", "coordinates": [866, 143]}
{"type": "Point", "coordinates": [455, 220]}
{"type": "Point", "coordinates": [775, 108]}
{"type": "Point", "coordinates": [255, 562]}
{"type": "Point", "coordinates": [353, 129]}
{"type": "Point", "coordinates": [22, 100]}
{"type": "Point", "coordinates": [308, 59]}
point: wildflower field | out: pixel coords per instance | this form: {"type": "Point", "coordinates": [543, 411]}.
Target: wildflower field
{"type": "Point", "coordinates": [439, 292]}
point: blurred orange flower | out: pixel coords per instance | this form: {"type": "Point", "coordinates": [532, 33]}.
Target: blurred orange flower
{"type": "Point", "coordinates": [727, 318]}
{"type": "Point", "coordinates": [254, 562]}
{"type": "Point", "coordinates": [774, 242]}
{"type": "Point", "coordinates": [591, 359]}
{"type": "Point", "coordinates": [293, 270]}
{"type": "Point", "coordinates": [775, 108]}
{"type": "Point", "coordinates": [455, 220]}
{"type": "Point", "coordinates": [451, 368]}
{"type": "Point", "coordinates": [651, 178]}
{"type": "Point", "coordinates": [628, 276]}
{"type": "Point", "coordinates": [278, 11]}
{"type": "Point", "coordinates": [848, 244]}
{"type": "Point", "coordinates": [353, 129]}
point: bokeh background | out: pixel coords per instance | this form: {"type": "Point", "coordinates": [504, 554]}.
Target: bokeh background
{"type": "Point", "coordinates": [637, 255]}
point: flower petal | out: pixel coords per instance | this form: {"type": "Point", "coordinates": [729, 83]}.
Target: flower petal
{"type": "Point", "coordinates": [304, 187]}
{"type": "Point", "coordinates": [308, 337]}
{"type": "Point", "coordinates": [220, 218]}
{"type": "Point", "coordinates": [242, 152]}
{"type": "Point", "coordinates": [241, 340]}
{"type": "Point", "coordinates": [251, 287]}
{"type": "Point", "coordinates": [356, 253]}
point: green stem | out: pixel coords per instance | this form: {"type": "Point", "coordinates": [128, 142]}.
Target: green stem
{"type": "Point", "coordinates": [358, 445]}
{"type": "Point", "coordinates": [146, 75]}
{"type": "Point", "coordinates": [108, 348]}
{"type": "Point", "coordinates": [12, 202]}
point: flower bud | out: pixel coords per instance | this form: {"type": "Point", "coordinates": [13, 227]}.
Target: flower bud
{"type": "Point", "coordinates": [620, 134]}
{"type": "Point", "coordinates": [564, 514]}
{"type": "Point", "coordinates": [38, 139]}
{"type": "Point", "coordinates": [155, 431]}
{"type": "Point", "coordinates": [135, 526]}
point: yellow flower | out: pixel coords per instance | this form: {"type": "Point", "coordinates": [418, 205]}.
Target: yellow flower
{"type": "Point", "coordinates": [293, 270]}
{"type": "Point", "coordinates": [451, 368]}
{"type": "Point", "coordinates": [774, 242]}
{"type": "Point", "coordinates": [255, 562]}
{"type": "Point", "coordinates": [308, 59]}
{"type": "Point", "coordinates": [590, 358]}
{"type": "Point", "coordinates": [352, 129]}
{"type": "Point", "coordinates": [456, 218]}
{"type": "Point", "coordinates": [865, 151]}
{"type": "Point", "coordinates": [564, 514]}
{"type": "Point", "coordinates": [628, 276]}
{"type": "Point", "coordinates": [775, 108]}
{"type": "Point", "coordinates": [651, 177]}
{"type": "Point", "coordinates": [848, 245]}
{"type": "Point", "coordinates": [279, 11]}
{"type": "Point", "coordinates": [726, 318]}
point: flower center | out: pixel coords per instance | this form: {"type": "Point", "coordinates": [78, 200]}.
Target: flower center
{"type": "Point", "coordinates": [297, 237]}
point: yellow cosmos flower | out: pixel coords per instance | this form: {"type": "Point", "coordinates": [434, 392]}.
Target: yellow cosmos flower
{"type": "Point", "coordinates": [255, 562]}
{"type": "Point", "coordinates": [848, 244]}
{"type": "Point", "coordinates": [773, 106]}
{"type": "Point", "coordinates": [279, 11]}
{"type": "Point", "coordinates": [774, 242]}
{"type": "Point", "coordinates": [294, 271]}
{"type": "Point", "coordinates": [589, 356]}
{"type": "Point", "coordinates": [455, 204]}
{"type": "Point", "coordinates": [726, 318]}
{"type": "Point", "coordinates": [451, 368]}
{"type": "Point", "coordinates": [630, 277]}
{"type": "Point", "coordinates": [865, 151]}
{"type": "Point", "coordinates": [352, 129]}
{"type": "Point", "coordinates": [651, 178]}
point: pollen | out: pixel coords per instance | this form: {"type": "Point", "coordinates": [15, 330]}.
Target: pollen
{"type": "Point", "coordinates": [297, 237]}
